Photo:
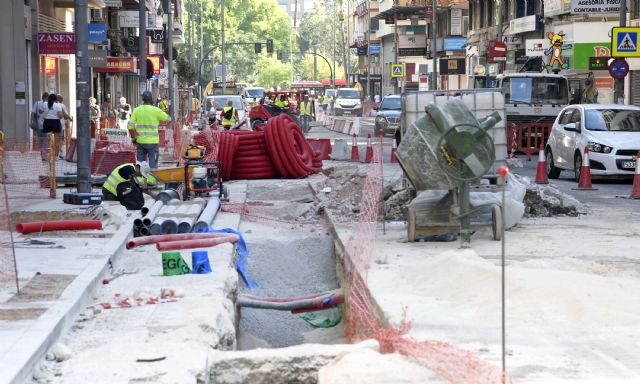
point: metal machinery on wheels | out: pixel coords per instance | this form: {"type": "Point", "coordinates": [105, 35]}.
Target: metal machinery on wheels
{"type": "Point", "coordinates": [448, 149]}
{"type": "Point", "coordinates": [263, 111]}
{"type": "Point", "coordinates": [198, 177]}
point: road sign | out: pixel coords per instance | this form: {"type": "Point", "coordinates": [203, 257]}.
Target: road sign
{"type": "Point", "coordinates": [397, 70]}
{"type": "Point", "coordinates": [624, 42]}
{"type": "Point", "coordinates": [618, 68]}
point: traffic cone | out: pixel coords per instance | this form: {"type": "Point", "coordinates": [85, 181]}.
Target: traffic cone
{"type": "Point", "coordinates": [584, 183]}
{"type": "Point", "coordinates": [369, 154]}
{"type": "Point", "coordinates": [635, 191]}
{"type": "Point", "coordinates": [355, 156]}
{"type": "Point", "coordinates": [393, 151]}
{"type": "Point", "coordinates": [541, 172]}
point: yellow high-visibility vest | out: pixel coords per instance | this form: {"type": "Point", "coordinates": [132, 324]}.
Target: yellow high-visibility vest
{"type": "Point", "coordinates": [115, 179]}
{"type": "Point", "coordinates": [145, 120]}
{"type": "Point", "coordinates": [230, 121]}
{"type": "Point", "coordinates": [305, 108]}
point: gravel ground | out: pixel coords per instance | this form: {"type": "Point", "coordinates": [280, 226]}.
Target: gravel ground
{"type": "Point", "coordinates": [286, 261]}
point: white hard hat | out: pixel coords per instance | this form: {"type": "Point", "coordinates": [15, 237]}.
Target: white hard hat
{"type": "Point", "coordinates": [145, 169]}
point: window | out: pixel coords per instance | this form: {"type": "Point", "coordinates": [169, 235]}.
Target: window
{"type": "Point", "coordinates": [612, 120]}
{"type": "Point", "coordinates": [472, 8]}
{"type": "Point", "coordinates": [491, 13]}
{"type": "Point", "coordinates": [566, 117]}
{"type": "Point", "coordinates": [481, 13]}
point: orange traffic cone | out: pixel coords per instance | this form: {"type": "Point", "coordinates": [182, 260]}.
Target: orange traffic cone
{"type": "Point", "coordinates": [584, 183]}
{"type": "Point", "coordinates": [355, 156]}
{"type": "Point", "coordinates": [541, 172]}
{"type": "Point", "coordinates": [369, 154]}
{"type": "Point", "coordinates": [635, 191]}
{"type": "Point", "coordinates": [393, 151]}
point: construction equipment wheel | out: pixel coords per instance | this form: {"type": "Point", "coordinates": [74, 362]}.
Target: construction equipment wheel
{"type": "Point", "coordinates": [496, 222]}
{"type": "Point", "coordinates": [225, 193]}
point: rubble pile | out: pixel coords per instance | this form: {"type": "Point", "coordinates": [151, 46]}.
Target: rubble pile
{"type": "Point", "coordinates": [548, 201]}
{"type": "Point", "coordinates": [340, 191]}
{"type": "Point", "coordinates": [396, 200]}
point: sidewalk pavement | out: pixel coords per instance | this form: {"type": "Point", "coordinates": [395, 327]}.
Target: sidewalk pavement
{"type": "Point", "coordinates": [105, 344]}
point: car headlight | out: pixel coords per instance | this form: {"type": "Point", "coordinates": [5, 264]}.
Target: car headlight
{"type": "Point", "coordinates": [382, 122]}
{"type": "Point", "coordinates": [597, 147]}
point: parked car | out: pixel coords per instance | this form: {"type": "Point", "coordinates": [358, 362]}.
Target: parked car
{"type": "Point", "coordinates": [348, 102]}
{"type": "Point", "coordinates": [388, 117]}
{"type": "Point", "coordinates": [220, 101]}
{"type": "Point", "coordinates": [611, 132]}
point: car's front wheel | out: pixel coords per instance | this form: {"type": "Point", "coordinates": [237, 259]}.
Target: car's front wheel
{"type": "Point", "coordinates": [577, 166]}
{"type": "Point", "coordinates": [552, 171]}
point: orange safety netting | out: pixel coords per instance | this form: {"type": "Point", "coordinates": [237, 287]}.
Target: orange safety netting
{"type": "Point", "coordinates": [452, 363]}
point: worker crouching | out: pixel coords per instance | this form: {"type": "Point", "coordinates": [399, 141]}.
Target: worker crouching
{"type": "Point", "coordinates": [126, 182]}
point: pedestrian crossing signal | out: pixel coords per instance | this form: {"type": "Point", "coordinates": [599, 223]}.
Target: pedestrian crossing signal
{"type": "Point", "coordinates": [624, 42]}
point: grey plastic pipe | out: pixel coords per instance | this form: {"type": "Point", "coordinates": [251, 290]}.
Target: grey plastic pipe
{"type": "Point", "coordinates": [208, 214]}
{"type": "Point", "coordinates": [153, 212]}
{"type": "Point", "coordinates": [155, 228]}
{"type": "Point", "coordinates": [185, 225]}
{"type": "Point", "coordinates": [169, 226]}
{"type": "Point", "coordinates": [168, 195]}
{"type": "Point", "coordinates": [147, 205]}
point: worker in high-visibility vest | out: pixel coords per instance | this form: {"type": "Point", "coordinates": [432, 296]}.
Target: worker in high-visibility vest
{"type": "Point", "coordinates": [307, 113]}
{"type": "Point", "coordinates": [324, 101]}
{"type": "Point", "coordinates": [125, 184]}
{"type": "Point", "coordinates": [229, 115]}
{"type": "Point", "coordinates": [282, 102]}
{"type": "Point", "coordinates": [143, 128]}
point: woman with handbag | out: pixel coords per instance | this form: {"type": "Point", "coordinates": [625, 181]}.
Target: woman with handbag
{"type": "Point", "coordinates": [51, 124]}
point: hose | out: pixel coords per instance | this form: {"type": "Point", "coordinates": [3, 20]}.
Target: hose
{"type": "Point", "coordinates": [66, 225]}
{"type": "Point", "coordinates": [303, 305]}
{"type": "Point", "coordinates": [138, 241]}
{"type": "Point", "coordinates": [197, 243]}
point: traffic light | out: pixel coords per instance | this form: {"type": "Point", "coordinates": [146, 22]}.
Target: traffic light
{"type": "Point", "coordinates": [280, 55]}
{"type": "Point", "coordinates": [149, 69]}
{"type": "Point", "coordinates": [269, 46]}
{"type": "Point", "coordinates": [257, 47]}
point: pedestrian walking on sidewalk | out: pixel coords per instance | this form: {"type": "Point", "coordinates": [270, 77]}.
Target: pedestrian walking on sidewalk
{"type": "Point", "coordinates": [108, 113]}
{"type": "Point", "coordinates": [124, 112]}
{"type": "Point", "coordinates": [307, 113]}
{"type": "Point", "coordinates": [52, 116]}
{"type": "Point", "coordinates": [94, 117]}
{"type": "Point", "coordinates": [66, 122]}
{"type": "Point", "coordinates": [143, 128]}
{"type": "Point", "coordinates": [37, 116]}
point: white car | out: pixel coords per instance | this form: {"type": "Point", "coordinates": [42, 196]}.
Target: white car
{"type": "Point", "coordinates": [611, 132]}
{"type": "Point", "coordinates": [348, 102]}
{"type": "Point", "coordinates": [252, 95]}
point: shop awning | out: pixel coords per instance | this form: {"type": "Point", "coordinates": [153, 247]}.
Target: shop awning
{"type": "Point", "coordinates": [95, 4]}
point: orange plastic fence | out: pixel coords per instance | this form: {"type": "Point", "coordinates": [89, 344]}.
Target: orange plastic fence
{"type": "Point", "coordinates": [528, 138]}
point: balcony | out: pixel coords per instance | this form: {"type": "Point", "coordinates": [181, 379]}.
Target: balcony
{"type": "Point", "coordinates": [404, 6]}
{"type": "Point", "coordinates": [50, 24]}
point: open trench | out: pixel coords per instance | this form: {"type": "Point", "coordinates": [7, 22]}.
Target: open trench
{"type": "Point", "coordinates": [290, 255]}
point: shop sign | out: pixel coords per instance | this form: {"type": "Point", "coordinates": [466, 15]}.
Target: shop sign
{"type": "Point", "coordinates": [57, 43]}
{"type": "Point", "coordinates": [521, 57]}
{"type": "Point", "coordinates": [582, 52]}
{"type": "Point", "coordinates": [452, 67]}
{"type": "Point", "coordinates": [113, 3]}
{"type": "Point", "coordinates": [455, 44]}
{"type": "Point", "coordinates": [511, 39]}
{"type": "Point", "coordinates": [131, 19]}
{"type": "Point", "coordinates": [523, 24]}
{"type": "Point", "coordinates": [374, 49]}
{"type": "Point", "coordinates": [456, 22]}
{"type": "Point", "coordinates": [118, 65]}
{"type": "Point", "coordinates": [97, 58]}
{"type": "Point", "coordinates": [599, 63]}
{"type": "Point", "coordinates": [479, 70]}
{"type": "Point", "coordinates": [556, 7]}
{"type": "Point", "coordinates": [361, 51]}
{"type": "Point", "coordinates": [115, 134]}
{"type": "Point", "coordinates": [97, 32]}
{"type": "Point", "coordinates": [412, 45]}
{"type": "Point", "coordinates": [536, 47]}
{"type": "Point", "coordinates": [585, 7]}
{"type": "Point", "coordinates": [158, 63]}
{"type": "Point", "coordinates": [604, 82]}
{"type": "Point", "coordinates": [157, 36]}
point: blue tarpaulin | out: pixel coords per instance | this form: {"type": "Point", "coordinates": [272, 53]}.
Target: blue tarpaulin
{"type": "Point", "coordinates": [243, 252]}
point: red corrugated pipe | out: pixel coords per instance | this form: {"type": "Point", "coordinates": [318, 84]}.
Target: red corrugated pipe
{"type": "Point", "coordinates": [65, 225]}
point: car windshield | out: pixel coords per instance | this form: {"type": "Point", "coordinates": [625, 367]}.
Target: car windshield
{"type": "Point", "coordinates": [330, 93]}
{"type": "Point", "coordinates": [536, 90]}
{"type": "Point", "coordinates": [390, 103]}
{"type": "Point", "coordinates": [615, 120]}
{"type": "Point", "coordinates": [221, 102]}
{"type": "Point", "coordinates": [255, 92]}
{"type": "Point", "coordinates": [348, 94]}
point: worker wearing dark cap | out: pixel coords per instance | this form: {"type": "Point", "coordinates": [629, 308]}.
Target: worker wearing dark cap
{"type": "Point", "coordinates": [143, 128]}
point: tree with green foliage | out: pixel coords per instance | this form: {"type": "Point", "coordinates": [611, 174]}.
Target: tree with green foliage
{"type": "Point", "coordinates": [273, 74]}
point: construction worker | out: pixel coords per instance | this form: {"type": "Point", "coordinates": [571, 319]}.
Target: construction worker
{"type": "Point", "coordinates": [281, 103]}
{"type": "Point", "coordinates": [324, 100]}
{"type": "Point", "coordinates": [125, 184]}
{"type": "Point", "coordinates": [164, 104]}
{"type": "Point", "coordinates": [143, 128]}
{"type": "Point", "coordinates": [229, 115]}
{"type": "Point", "coordinates": [195, 108]}
{"type": "Point", "coordinates": [307, 113]}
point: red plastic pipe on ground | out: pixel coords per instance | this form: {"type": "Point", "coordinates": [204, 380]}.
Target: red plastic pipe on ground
{"type": "Point", "coordinates": [66, 225]}
{"type": "Point", "coordinates": [198, 243]}
{"type": "Point", "coordinates": [138, 241]}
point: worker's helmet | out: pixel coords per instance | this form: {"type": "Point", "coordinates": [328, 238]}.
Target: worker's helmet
{"type": "Point", "coordinates": [145, 169]}
{"type": "Point", "coordinates": [147, 96]}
